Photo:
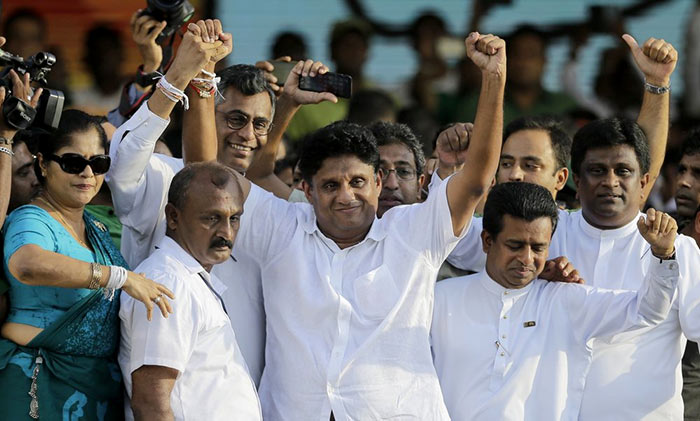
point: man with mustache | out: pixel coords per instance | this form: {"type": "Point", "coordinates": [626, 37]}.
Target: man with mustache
{"type": "Point", "coordinates": [510, 346]}
{"type": "Point", "coordinates": [189, 365]}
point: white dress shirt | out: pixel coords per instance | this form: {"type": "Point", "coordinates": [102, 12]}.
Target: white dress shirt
{"type": "Point", "coordinates": [521, 354]}
{"type": "Point", "coordinates": [634, 375]}
{"type": "Point", "coordinates": [630, 377]}
{"type": "Point", "coordinates": [347, 330]}
{"type": "Point", "coordinates": [197, 340]}
{"type": "Point", "coordinates": [139, 181]}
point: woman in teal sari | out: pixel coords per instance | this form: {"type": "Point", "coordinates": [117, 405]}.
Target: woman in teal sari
{"type": "Point", "coordinates": [59, 344]}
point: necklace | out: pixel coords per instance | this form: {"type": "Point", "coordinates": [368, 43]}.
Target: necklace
{"type": "Point", "coordinates": [63, 222]}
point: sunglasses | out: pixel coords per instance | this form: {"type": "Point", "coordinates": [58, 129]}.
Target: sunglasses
{"type": "Point", "coordinates": [73, 163]}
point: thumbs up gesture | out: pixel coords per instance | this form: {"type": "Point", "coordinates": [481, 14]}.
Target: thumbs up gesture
{"type": "Point", "coordinates": [656, 59]}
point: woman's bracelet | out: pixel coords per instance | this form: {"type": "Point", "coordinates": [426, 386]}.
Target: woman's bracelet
{"type": "Point", "coordinates": [96, 276]}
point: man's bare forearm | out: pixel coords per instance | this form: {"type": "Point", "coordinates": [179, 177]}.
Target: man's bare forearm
{"type": "Point", "coordinates": [654, 121]}
{"type": "Point", "coordinates": [199, 142]}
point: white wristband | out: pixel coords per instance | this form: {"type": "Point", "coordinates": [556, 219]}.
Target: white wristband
{"type": "Point", "coordinates": [172, 93]}
{"type": "Point", "coordinates": [117, 279]}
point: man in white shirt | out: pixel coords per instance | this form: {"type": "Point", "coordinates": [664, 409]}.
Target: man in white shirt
{"type": "Point", "coordinates": [348, 297]}
{"type": "Point", "coordinates": [508, 345]}
{"type": "Point", "coordinates": [188, 365]}
{"type": "Point", "coordinates": [537, 149]}
{"type": "Point", "coordinates": [633, 375]}
{"type": "Point", "coordinates": [139, 179]}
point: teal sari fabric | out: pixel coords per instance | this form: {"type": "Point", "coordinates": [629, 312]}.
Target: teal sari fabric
{"type": "Point", "coordinates": [69, 371]}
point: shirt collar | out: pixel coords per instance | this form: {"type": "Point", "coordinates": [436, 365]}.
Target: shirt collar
{"type": "Point", "coordinates": [172, 248]}
{"type": "Point", "coordinates": [497, 289]}
{"type": "Point", "coordinates": [377, 231]}
{"type": "Point", "coordinates": [612, 234]}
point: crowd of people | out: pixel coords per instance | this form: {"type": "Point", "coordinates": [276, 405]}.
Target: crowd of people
{"type": "Point", "coordinates": [292, 263]}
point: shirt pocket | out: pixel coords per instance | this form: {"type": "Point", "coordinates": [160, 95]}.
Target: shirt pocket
{"type": "Point", "coordinates": [375, 293]}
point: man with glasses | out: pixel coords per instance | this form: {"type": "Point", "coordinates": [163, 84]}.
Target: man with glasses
{"type": "Point", "coordinates": [139, 179]}
{"type": "Point", "coordinates": [401, 162]}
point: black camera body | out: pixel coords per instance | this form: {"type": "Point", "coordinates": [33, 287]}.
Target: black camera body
{"type": "Point", "coordinates": [16, 111]}
{"type": "Point", "coordinates": [174, 12]}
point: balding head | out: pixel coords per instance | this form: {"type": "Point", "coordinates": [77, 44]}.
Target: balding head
{"type": "Point", "coordinates": [205, 203]}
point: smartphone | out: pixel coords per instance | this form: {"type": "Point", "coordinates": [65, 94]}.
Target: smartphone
{"type": "Point", "coordinates": [338, 84]}
{"type": "Point", "coordinates": [282, 70]}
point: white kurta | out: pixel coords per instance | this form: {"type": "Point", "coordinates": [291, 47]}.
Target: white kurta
{"type": "Point", "coordinates": [521, 354]}
{"type": "Point", "coordinates": [197, 340]}
{"type": "Point", "coordinates": [347, 330]}
{"type": "Point", "coordinates": [139, 181]}
{"type": "Point", "coordinates": [635, 375]}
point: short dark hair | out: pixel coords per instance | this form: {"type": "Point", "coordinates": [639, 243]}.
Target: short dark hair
{"type": "Point", "coordinates": [370, 105]}
{"type": "Point", "coordinates": [526, 29]}
{"type": "Point", "coordinates": [246, 79]}
{"type": "Point", "coordinates": [219, 175]}
{"type": "Point", "coordinates": [691, 144]}
{"type": "Point", "coordinates": [558, 137]}
{"type": "Point", "coordinates": [397, 133]}
{"type": "Point", "coordinates": [520, 200]}
{"type": "Point", "coordinates": [291, 44]}
{"type": "Point", "coordinates": [608, 133]}
{"type": "Point", "coordinates": [346, 27]}
{"type": "Point", "coordinates": [72, 122]}
{"type": "Point", "coordinates": [337, 139]}
{"type": "Point", "coordinates": [29, 137]}
{"type": "Point", "coordinates": [24, 13]}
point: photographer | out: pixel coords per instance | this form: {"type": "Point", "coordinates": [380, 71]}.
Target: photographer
{"type": "Point", "coordinates": [21, 90]}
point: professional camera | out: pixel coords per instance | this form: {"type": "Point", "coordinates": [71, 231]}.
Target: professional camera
{"type": "Point", "coordinates": [174, 12]}
{"type": "Point", "coordinates": [17, 111]}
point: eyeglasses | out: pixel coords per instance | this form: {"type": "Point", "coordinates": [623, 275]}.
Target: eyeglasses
{"type": "Point", "coordinates": [237, 120]}
{"type": "Point", "coordinates": [73, 163]}
{"type": "Point", "coordinates": [403, 173]}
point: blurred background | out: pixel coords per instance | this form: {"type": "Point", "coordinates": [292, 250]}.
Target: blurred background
{"type": "Point", "coordinates": [406, 57]}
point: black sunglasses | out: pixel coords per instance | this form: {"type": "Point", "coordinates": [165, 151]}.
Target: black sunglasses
{"type": "Point", "coordinates": [73, 163]}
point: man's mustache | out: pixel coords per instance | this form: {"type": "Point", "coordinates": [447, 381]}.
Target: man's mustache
{"type": "Point", "coordinates": [222, 242]}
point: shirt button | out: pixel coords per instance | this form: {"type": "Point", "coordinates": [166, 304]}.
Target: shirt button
{"type": "Point", "coordinates": [505, 292]}
{"type": "Point", "coordinates": [672, 266]}
{"type": "Point", "coordinates": [503, 354]}
{"type": "Point", "coordinates": [503, 336]}
{"type": "Point", "coordinates": [505, 317]}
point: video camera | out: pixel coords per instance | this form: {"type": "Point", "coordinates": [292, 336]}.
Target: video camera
{"type": "Point", "coordinates": [17, 111]}
{"type": "Point", "coordinates": [174, 12]}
